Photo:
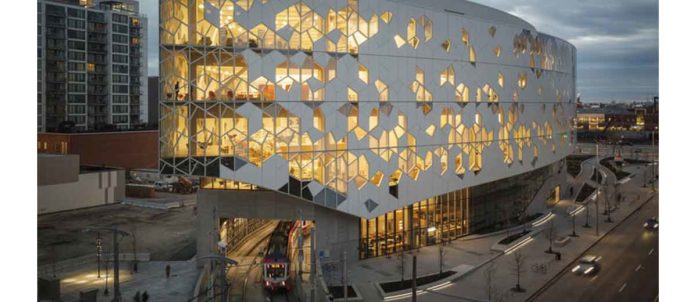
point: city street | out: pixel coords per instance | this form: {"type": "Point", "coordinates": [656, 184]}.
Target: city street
{"type": "Point", "coordinates": [629, 265]}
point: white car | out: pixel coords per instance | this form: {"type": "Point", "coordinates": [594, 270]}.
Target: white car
{"type": "Point", "coordinates": [587, 266]}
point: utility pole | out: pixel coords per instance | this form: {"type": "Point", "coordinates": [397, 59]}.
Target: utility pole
{"type": "Point", "coordinates": [106, 283]}
{"type": "Point", "coordinates": [599, 186]}
{"type": "Point", "coordinates": [403, 265]}
{"type": "Point", "coordinates": [606, 204]}
{"type": "Point", "coordinates": [312, 266]}
{"type": "Point", "coordinates": [574, 234]}
{"type": "Point", "coordinates": [116, 232]}
{"type": "Point", "coordinates": [653, 161]}
{"type": "Point", "coordinates": [99, 251]}
{"type": "Point", "coordinates": [441, 252]}
{"type": "Point", "coordinates": [135, 255]}
{"type": "Point", "coordinates": [345, 276]}
{"type": "Point", "coordinates": [117, 285]}
{"type": "Point", "coordinates": [413, 280]}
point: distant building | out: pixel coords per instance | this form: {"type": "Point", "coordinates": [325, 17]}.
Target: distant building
{"type": "Point", "coordinates": [152, 100]}
{"type": "Point", "coordinates": [91, 65]}
{"type": "Point", "coordinates": [123, 149]}
{"type": "Point", "coordinates": [618, 117]}
{"type": "Point", "coordinates": [65, 185]}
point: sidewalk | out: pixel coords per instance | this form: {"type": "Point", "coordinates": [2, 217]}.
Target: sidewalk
{"type": "Point", "coordinates": [150, 277]}
{"type": "Point", "coordinates": [466, 256]}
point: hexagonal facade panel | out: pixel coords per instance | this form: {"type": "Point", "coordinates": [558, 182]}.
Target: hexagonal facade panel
{"type": "Point", "coordinates": [366, 106]}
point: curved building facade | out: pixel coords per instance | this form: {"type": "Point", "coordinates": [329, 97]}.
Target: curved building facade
{"type": "Point", "coordinates": [362, 107]}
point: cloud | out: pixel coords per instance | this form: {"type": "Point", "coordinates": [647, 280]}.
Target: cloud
{"type": "Point", "coordinates": [616, 40]}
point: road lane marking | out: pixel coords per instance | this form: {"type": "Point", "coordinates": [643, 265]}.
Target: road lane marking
{"type": "Point", "coordinates": [622, 287]}
{"type": "Point", "coordinates": [638, 267]}
{"type": "Point", "coordinates": [651, 251]}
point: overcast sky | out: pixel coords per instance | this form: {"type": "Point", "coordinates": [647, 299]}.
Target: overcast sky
{"type": "Point", "coordinates": [617, 41]}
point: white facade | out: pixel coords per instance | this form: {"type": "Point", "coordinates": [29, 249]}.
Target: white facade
{"type": "Point", "coordinates": [363, 107]}
{"type": "Point", "coordinates": [62, 186]}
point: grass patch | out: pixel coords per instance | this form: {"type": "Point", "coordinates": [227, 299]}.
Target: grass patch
{"type": "Point", "coordinates": [509, 239]}
{"type": "Point", "coordinates": [393, 286]}
{"type": "Point", "coordinates": [574, 164]}
{"type": "Point", "coordinates": [337, 292]}
{"type": "Point", "coordinates": [631, 161]}
{"type": "Point", "coordinates": [610, 164]}
{"type": "Point", "coordinates": [585, 192]}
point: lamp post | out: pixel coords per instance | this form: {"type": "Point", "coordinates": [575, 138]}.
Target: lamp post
{"type": "Point", "coordinates": [99, 252]}
{"type": "Point", "coordinates": [116, 232]}
{"type": "Point", "coordinates": [653, 161]}
{"type": "Point", "coordinates": [599, 186]}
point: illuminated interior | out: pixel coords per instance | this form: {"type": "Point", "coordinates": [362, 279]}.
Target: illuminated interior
{"type": "Point", "coordinates": [296, 86]}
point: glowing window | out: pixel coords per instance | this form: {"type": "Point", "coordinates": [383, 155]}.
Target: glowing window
{"type": "Point", "coordinates": [496, 51]}
{"type": "Point", "coordinates": [411, 30]}
{"type": "Point", "coordinates": [462, 93]}
{"type": "Point", "coordinates": [318, 120]}
{"type": "Point", "coordinates": [522, 80]}
{"type": "Point", "coordinates": [430, 130]}
{"type": "Point", "coordinates": [465, 37]}
{"type": "Point", "coordinates": [472, 55]}
{"type": "Point", "coordinates": [373, 121]}
{"type": "Point", "coordinates": [363, 73]}
{"type": "Point", "coordinates": [427, 28]}
{"type": "Point", "coordinates": [447, 76]}
{"type": "Point", "coordinates": [352, 95]}
{"type": "Point", "coordinates": [501, 80]}
{"type": "Point", "coordinates": [383, 90]}
{"type": "Point", "coordinates": [377, 178]}
{"type": "Point", "coordinates": [399, 41]}
{"type": "Point", "coordinates": [386, 17]}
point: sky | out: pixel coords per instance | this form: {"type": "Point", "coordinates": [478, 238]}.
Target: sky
{"type": "Point", "coordinates": [616, 40]}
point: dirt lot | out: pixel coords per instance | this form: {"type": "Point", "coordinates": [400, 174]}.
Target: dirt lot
{"type": "Point", "coordinates": [165, 234]}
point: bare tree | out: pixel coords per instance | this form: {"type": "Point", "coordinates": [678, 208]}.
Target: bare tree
{"type": "Point", "coordinates": [135, 256]}
{"type": "Point", "coordinates": [523, 218]}
{"type": "Point", "coordinates": [489, 275]}
{"type": "Point", "coordinates": [518, 260]}
{"type": "Point", "coordinates": [551, 233]}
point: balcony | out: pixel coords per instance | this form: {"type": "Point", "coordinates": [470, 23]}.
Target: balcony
{"type": "Point", "coordinates": [97, 91]}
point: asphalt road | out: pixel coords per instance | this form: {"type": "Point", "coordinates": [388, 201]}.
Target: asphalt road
{"type": "Point", "coordinates": [629, 265]}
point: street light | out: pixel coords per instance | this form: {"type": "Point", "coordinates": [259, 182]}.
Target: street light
{"type": "Point", "coordinates": [116, 232]}
{"type": "Point", "coordinates": [221, 278]}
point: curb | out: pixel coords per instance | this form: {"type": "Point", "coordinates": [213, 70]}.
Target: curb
{"type": "Point", "coordinates": [565, 268]}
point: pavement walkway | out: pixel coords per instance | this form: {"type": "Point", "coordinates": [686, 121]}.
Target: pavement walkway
{"type": "Point", "coordinates": [150, 277]}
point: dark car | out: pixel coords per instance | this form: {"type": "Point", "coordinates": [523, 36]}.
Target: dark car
{"type": "Point", "coordinates": [651, 224]}
{"type": "Point", "coordinates": [587, 266]}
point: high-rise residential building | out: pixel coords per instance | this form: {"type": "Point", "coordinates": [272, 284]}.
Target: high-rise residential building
{"type": "Point", "coordinates": [391, 124]}
{"type": "Point", "coordinates": [92, 65]}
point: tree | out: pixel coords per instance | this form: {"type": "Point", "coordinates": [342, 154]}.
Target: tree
{"type": "Point", "coordinates": [489, 275]}
{"type": "Point", "coordinates": [518, 260]}
{"type": "Point", "coordinates": [550, 234]}
{"type": "Point", "coordinates": [574, 234]}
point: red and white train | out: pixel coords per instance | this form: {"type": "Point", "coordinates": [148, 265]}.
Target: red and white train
{"type": "Point", "coordinates": [276, 261]}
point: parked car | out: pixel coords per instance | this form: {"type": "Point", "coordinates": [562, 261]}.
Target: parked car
{"type": "Point", "coordinates": [651, 224]}
{"type": "Point", "coordinates": [587, 266]}
{"type": "Point", "coordinates": [163, 186]}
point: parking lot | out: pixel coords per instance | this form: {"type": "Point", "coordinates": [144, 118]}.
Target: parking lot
{"type": "Point", "coordinates": [165, 234]}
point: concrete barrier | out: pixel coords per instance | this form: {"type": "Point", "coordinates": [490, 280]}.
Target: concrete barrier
{"type": "Point", "coordinates": [561, 242]}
